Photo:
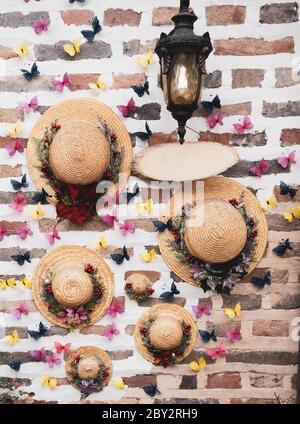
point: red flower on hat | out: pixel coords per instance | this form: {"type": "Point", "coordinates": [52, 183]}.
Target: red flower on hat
{"type": "Point", "coordinates": [74, 214]}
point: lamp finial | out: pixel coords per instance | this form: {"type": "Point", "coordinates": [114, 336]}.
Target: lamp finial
{"type": "Point", "coordinates": [184, 5]}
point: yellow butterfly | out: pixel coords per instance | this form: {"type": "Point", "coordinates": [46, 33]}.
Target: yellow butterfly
{"type": "Point", "coordinates": [264, 208]}
{"type": "Point", "coordinates": [72, 48]}
{"type": "Point", "coordinates": [146, 60]}
{"type": "Point", "coordinates": [15, 129]}
{"type": "Point", "coordinates": [37, 212]}
{"type": "Point", "coordinates": [12, 338]}
{"type": "Point", "coordinates": [290, 216]}
{"type": "Point", "coordinates": [145, 207]}
{"type": "Point", "coordinates": [99, 85]}
{"type": "Point", "coordinates": [148, 256]}
{"type": "Point", "coordinates": [198, 365]}
{"type": "Point", "coordinates": [24, 283]}
{"type": "Point", "coordinates": [10, 283]}
{"type": "Point", "coordinates": [49, 382]}
{"type": "Point", "coordinates": [22, 50]}
{"type": "Point", "coordinates": [119, 383]}
{"type": "Point", "coordinates": [101, 244]}
{"type": "Point", "coordinates": [233, 312]}
{"type": "Point", "coordinates": [272, 202]}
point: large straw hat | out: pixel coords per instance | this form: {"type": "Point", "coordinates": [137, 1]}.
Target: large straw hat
{"type": "Point", "coordinates": [166, 331]}
{"type": "Point", "coordinates": [71, 284]}
{"type": "Point", "coordinates": [215, 231]}
{"type": "Point", "coordinates": [79, 153]}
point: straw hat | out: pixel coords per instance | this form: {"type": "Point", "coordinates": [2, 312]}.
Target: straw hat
{"type": "Point", "coordinates": [71, 284]}
{"type": "Point", "coordinates": [166, 331]}
{"type": "Point", "coordinates": [139, 283]}
{"type": "Point", "coordinates": [79, 153]}
{"type": "Point", "coordinates": [215, 231]}
{"type": "Point", "coordinates": [89, 360]}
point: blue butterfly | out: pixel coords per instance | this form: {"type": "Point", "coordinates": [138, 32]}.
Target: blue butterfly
{"type": "Point", "coordinates": [283, 246]}
{"type": "Point", "coordinates": [151, 390]}
{"type": "Point", "coordinates": [144, 135]}
{"type": "Point", "coordinates": [286, 189]}
{"type": "Point", "coordinates": [15, 365]}
{"type": "Point", "coordinates": [207, 336]}
{"type": "Point", "coordinates": [209, 106]}
{"type": "Point", "coordinates": [161, 226]}
{"type": "Point", "coordinates": [33, 73]}
{"type": "Point", "coordinates": [96, 28]}
{"type": "Point", "coordinates": [36, 335]}
{"type": "Point", "coordinates": [40, 197]}
{"type": "Point", "coordinates": [20, 258]}
{"type": "Point", "coordinates": [170, 295]}
{"type": "Point", "coordinates": [261, 282]}
{"type": "Point", "coordinates": [17, 185]}
{"type": "Point", "coordinates": [140, 90]}
{"type": "Point", "coordinates": [119, 257]}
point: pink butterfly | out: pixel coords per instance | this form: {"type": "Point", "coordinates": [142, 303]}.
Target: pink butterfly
{"type": "Point", "coordinates": [3, 233]}
{"type": "Point", "coordinates": [32, 105]}
{"type": "Point", "coordinates": [40, 25]}
{"type": "Point", "coordinates": [53, 359]}
{"type": "Point", "coordinates": [117, 307]}
{"type": "Point", "coordinates": [110, 331]}
{"type": "Point", "coordinates": [285, 161]}
{"type": "Point", "coordinates": [125, 110]}
{"type": "Point", "coordinates": [24, 232]}
{"type": "Point", "coordinates": [214, 120]}
{"type": "Point", "coordinates": [218, 352]}
{"type": "Point", "coordinates": [109, 219]}
{"type": "Point", "coordinates": [62, 348]}
{"type": "Point", "coordinates": [246, 125]}
{"type": "Point", "coordinates": [19, 311]}
{"type": "Point", "coordinates": [16, 146]}
{"type": "Point", "coordinates": [234, 335]}
{"type": "Point", "coordinates": [260, 169]}
{"type": "Point", "coordinates": [19, 202]}
{"type": "Point", "coordinates": [52, 236]}
{"type": "Point", "coordinates": [127, 227]}
{"type": "Point", "coordinates": [38, 355]}
{"type": "Point", "coordinates": [200, 310]}
{"type": "Point", "coordinates": [60, 85]}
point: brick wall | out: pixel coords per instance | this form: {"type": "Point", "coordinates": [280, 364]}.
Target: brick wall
{"type": "Point", "coordinates": [256, 47]}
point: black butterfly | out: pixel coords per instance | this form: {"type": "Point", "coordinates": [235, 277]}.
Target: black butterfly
{"type": "Point", "coordinates": [40, 197]}
{"type": "Point", "coordinates": [140, 90]}
{"type": "Point", "coordinates": [286, 189]}
{"type": "Point", "coordinates": [161, 226]}
{"type": "Point", "coordinates": [119, 257]}
{"type": "Point", "coordinates": [15, 365]}
{"type": "Point", "coordinates": [33, 73]}
{"type": "Point", "coordinates": [17, 185]}
{"type": "Point", "coordinates": [283, 246]}
{"type": "Point", "coordinates": [144, 135]}
{"type": "Point", "coordinates": [22, 258]}
{"type": "Point", "coordinates": [36, 335]}
{"type": "Point", "coordinates": [207, 336]}
{"type": "Point", "coordinates": [169, 295]}
{"type": "Point", "coordinates": [261, 282]}
{"type": "Point", "coordinates": [209, 106]}
{"type": "Point", "coordinates": [73, 1]}
{"type": "Point", "coordinates": [151, 390]}
{"type": "Point", "coordinates": [90, 34]}
{"type": "Point", "coordinates": [130, 195]}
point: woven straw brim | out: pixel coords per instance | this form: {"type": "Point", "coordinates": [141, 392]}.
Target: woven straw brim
{"type": "Point", "coordinates": [214, 188]}
{"type": "Point", "coordinates": [155, 311]}
{"type": "Point", "coordinates": [81, 255]}
{"type": "Point", "coordinates": [84, 109]}
{"type": "Point", "coordinates": [88, 352]}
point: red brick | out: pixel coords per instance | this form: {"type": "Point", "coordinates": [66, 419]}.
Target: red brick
{"type": "Point", "coordinates": [159, 138]}
{"type": "Point", "coordinates": [10, 171]}
{"type": "Point", "coordinates": [127, 80]}
{"type": "Point", "coordinates": [253, 46]}
{"type": "Point", "coordinates": [225, 15]}
{"type": "Point", "coordinates": [10, 115]}
{"type": "Point", "coordinates": [162, 15]}
{"type": "Point", "coordinates": [284, 78]}
{"type": "Point", "coordinates": [279, 13]}
{"type": "Point", "coordinates": [226, 380]}
{"type": "Point", "coordinates": [140, 380]}
{"type": "Point", "coordinates": [82, 81]}
{"type": "Point", "coordinates": [247, 78]}
{"type": "Point", "coordinates": [272, 328]}
{"type": "Point", "coordinates": [236, 109]}
{"type": "Point", "coordinates": [7, 53]}
{"type": "Point", "coordinates": [116, 17]}
{"type": "Point", "coordinates": [77, 16]}
{"type": "Point", "coordinates": [290, 136]}
{"type": "Point", "coordinates": [11, 226]}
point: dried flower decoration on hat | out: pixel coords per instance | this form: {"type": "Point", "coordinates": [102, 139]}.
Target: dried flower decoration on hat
{"type": "Point", "coordinates": [138, 287]}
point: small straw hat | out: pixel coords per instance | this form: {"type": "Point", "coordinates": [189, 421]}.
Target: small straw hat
{"type": "Point", "coordinates": [215, 231]}
{"type": "Point", "coordinates": [139, 283]}
{"type": "Point", "coordinates": [166, 331]}
{"type": "Point", "coordinates": [71, 284]}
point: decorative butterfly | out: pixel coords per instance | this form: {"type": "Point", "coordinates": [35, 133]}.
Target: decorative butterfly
{"type": "Point", "coordinates": [12, 338]}
{"type": "Point", "coordinates": [19, 311]}
{"type": "Point", "coordinates": [15, 129]}
{"type": "Point", "coordinates": [233, 312]}
{"type": "Point", "coordinates": [36, 335]}
{"type": "Point", "coordinates": [32, 105]}
{"type": "Point", "coordinates": [22, 50]}
{"type": "Point", "coordinates": [151, 390]}
{"type": "Point", "coordinates": [220, 351]}
{"type": "Point", "coordinates": [38, 355]}
{"type": "Point", "coordinates": [51, 383]}
{"type": "Point", "coordinates": [23, 232]}
{"type": "Point", "coordinates": [24, 283]}
{"type": "Point", "coordinates": [51, 237]}
{"type": "Point", "coordinates": [209, 106]}
{"type": "Point", "coordinates": [286, 189]}
{"type": "Point", "coordinates": [119, 383]}
{"type": "Point", "coordinates": [127, 227]}
{"type": "Point", "coordinates": [283, 246]}
{"type": "Point", "coordinates": [146, 60]}
{"type": "Point", "coordinates": [98, 85]}
{"type": "Point", "coordinates": [79, 1]}
{"type": "Point", "coordinates": [109, 219]}
{"type": "Point", "coordinates": [33, 73]}
{"type": "Point", "coordinates": [290, 216]}
{"type": "Point", "coordinates": [261, 282]}
{"type": "Point", "coordinates": [141, 89]}
{"type": "Point", "coordinates": [21, 259]}
{"type": "Point", "coordinates": [110, 331]}
{"type": "Point", "coordinates": [198, 365]}
{"type": "Point", "coordinates": [40, 25]}
{"type": "Point", "coordinates": [3, 233]}
{"type": "Point", "coordinates": [18, 203]}
{"type": "Point", "coordinates": [15, 146]}
{"type": "Point", "coordinates": [116, 307]}
{"type": "Point", "coordinates": [119, 257]}
{"type": "Point", "coordinates": [52, 360]}
{"type": "Point", "coordinates": [200, 310]}
{"type": "Point", "coordinates": [207, 336]}
{"type": "Point", "coordinates": [215, 120]}
{"type": "Point", "coordinates": [170, 295]}
{"type": "Point", "coordinates": [9, 283]}
{"type": "Point", "coordinates": [60, 85]}
{"type": "Point", "coordinates": [146, 207]}
{"type": "Point", "coordinates": [96, 28]}
{"type": "Point", "coordinates": [101, 244]}
{"type": "Point", "coordinates": [234, 335]}
{"type": "Point", "coordinates": [37, 212]}
{"type": "Point", "coordinates": [162, 226]}
{"type": "Point", "coordinates": [17, 185]}
{"type": "Point", "coordinates": [15, 365]}
{"type": "Point", "coordinates": [62, 348]}
{"type": "Point", "coordinates": [244, 126]}
{"type": "Point", "coordinates": [148, 256]}
{"type": "Point", "coordinates": [128, 109]}
{"type": "Point", "coordinates": [72, 48]}
{"type": "Point", "coordinates": [40, 197]}
{"type": "Point", "coordinates": [130, 195]}
{"type": "Point", "coordinates": [260, 169]}
{"type": "Point", "coordinates": [285, 161]}
{"type": "Point", "coordinates": [272, 202]}
{"type": "Point", "coordinates": [144, 135]}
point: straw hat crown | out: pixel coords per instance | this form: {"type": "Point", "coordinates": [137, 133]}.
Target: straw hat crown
{"type": "Point", "coordinates": [139, 282]}
{"type": "Point", "coordinates": [79, 153]}
{"type": "Point", "coordinates": [215, 232]}
{"type": "Point", "coordinates": [88, 368]}
{"type": "Point", "coordinates": [165, 333]}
